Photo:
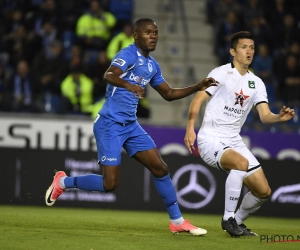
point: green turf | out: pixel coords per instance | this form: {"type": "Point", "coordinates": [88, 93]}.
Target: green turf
{"type": "Point", "coordinates": [52, 228]}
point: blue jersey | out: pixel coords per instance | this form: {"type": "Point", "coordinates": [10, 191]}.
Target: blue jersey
{"type": "Point", "coordinates": [120, 104]}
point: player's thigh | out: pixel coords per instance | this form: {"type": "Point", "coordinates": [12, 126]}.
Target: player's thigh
{"type": "Point", "coordinates": [233, 160]}
{"type": "Point", "coordinates": [152, 160]}
{"type": "Point", "coordinates": [141, 147]}
{"type": "Point", "coordinates": [220, 154]}
{"type": "Point", "coordinates": [109, 138]}
{"type": "Point", "coordinates": [253, 163]}
{"type": "Point", "coordinates": [258, 184]}
{"type": "Point", "coordinates": [138, 141]}
{"type": "Point", "coordinates": [240, 158]}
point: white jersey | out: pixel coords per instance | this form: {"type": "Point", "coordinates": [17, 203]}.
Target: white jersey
{"type": "Point", "coordinates": [230, 103]}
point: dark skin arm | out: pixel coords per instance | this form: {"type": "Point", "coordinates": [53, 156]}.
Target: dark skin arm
{"type": "Point", "coordinates": [169, 94]}
{"type": "Point", "coordinates": [112, 76]}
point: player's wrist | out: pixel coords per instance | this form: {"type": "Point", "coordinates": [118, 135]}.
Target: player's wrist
{"type": "Point", "coordinates": [190, 127]}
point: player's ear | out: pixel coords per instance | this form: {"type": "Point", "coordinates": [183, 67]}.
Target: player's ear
{"type": "Point", "coordinates": [232, 51]}
{"type": "Point", "coordinates": [135, 35]}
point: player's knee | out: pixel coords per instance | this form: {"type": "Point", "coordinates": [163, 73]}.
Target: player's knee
{"type": "Point", "coordinates": [267, 194]}
{"type": "Point", "coordinates": [243, 165]}
{"type": "Point", "coordinates": [160, 171]}
{"type": "Point", "coordinates": [110, 186]}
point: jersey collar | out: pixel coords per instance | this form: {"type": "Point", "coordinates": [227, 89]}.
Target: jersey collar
{"type": "Point", "coordinates": [232, 66]}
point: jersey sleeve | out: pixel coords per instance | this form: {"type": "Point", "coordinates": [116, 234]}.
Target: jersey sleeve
{"type": "Point", "coordinates": [157, 79]}
{"type": "Point", "coordinates": [261, 94]}
{"type": "Point", "coordinates": [219, 75]}
{"type": "Point", "coordinates": [124, 59]}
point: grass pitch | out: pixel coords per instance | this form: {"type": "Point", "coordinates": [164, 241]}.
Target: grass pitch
{"type": "Point", "coordinates": [43, 228]}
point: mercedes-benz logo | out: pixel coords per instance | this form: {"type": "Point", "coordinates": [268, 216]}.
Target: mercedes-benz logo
{"type": "Point", "coordinates": [193, 186]}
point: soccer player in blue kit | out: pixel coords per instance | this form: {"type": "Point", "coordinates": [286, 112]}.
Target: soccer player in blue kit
{"type": "Point", "coordinates": [116, 125]}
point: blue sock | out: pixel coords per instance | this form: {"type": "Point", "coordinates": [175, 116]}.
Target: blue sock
{"type": "Point", "coordinates": [91, 182]}
{"type": "Point", "coordinates": [165, 189]}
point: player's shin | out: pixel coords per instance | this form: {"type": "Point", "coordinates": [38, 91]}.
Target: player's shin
{"type": "Point", "coordinates": [165, 189]}
{"type": "Point", "coordinates": [233, 188]}
{"type": "Point", "coordinates": [91, 182]}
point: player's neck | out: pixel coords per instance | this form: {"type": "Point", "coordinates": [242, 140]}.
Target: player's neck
{"type": "Point", "coordinates": [143, 52]}
{"type": "Point", "coordinates": [242, 69]}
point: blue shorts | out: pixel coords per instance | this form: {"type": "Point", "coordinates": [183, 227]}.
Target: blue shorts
{"type": "Point", "coordinates": [111, 137]}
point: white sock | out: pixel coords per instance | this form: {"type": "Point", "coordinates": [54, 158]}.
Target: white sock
{"type": "Point", "coordinates": [233, 186]}
{"type": "Point", "coordinates": [178, 221]}
{"type": "Point", "coordinates": [61, 182]}
{"type": "Point", "coordinates": [249, 205]}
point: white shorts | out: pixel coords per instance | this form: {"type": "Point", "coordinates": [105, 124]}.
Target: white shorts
{"type": "Point", "coordinates": [211, 151]}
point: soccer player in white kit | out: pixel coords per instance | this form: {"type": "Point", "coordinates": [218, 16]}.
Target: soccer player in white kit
{"type": "Point", "coordinates": [219, 142]}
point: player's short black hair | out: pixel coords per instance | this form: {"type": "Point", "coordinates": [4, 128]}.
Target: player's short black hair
{"type": "Point", "coordinates": [140, 21]}
{"type": "Point", "coordinates": [98, 1]}
{"type": "Point", "coordinates": [239, 35]}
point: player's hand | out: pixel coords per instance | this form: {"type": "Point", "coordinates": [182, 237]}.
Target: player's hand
{"type": "Point", "coordinates": [286, 114]}
{"type": "Point", "coordinates": [137, 90]}
{"type": "Point", "coordinates": [189, 140]}
{"type": "Point", "coordinates": [207, 82]}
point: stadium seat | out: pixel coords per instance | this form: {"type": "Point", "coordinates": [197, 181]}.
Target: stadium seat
{"type": "Point", "coordinates": [52, 102]}
{"type": "Point", "coordinates": [68, 39]}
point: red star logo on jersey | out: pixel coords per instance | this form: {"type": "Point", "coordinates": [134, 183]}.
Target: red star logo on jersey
{"type": "Point", "coordinates": [240, 98]}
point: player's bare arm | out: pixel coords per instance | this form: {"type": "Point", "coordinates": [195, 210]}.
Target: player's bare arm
{"type": "Point", "coordinates": [112, 76]}
{"type": "Point", "coordinates": [267, 117]}
{"type": "Point", "coordinates": [171, 94]}
{"type": "Point", "coordinates": [190, 135]}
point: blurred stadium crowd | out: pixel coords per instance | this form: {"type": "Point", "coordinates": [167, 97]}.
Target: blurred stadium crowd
{"type": "Point", "coordinates": [53, 54]}
{"type": "Point", "coordinates": [275, 25]}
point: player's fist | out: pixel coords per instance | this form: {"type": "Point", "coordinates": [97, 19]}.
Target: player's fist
{"type": "Point", "coordinates": [207, 82]}
{"type": "Point", "coordinates": [286, 113]}
{"type": "Point", "coordinates": [137, 90]}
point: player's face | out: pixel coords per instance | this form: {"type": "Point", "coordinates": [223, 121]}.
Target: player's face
{"type": "Point", "coordinates": [244, 52]}
{"type": "Point", "coordinates": [146, 37]}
